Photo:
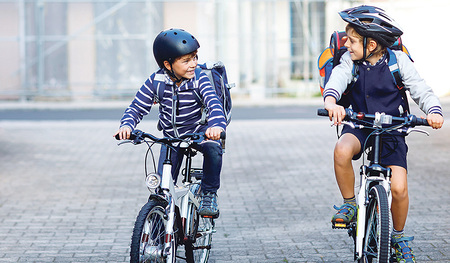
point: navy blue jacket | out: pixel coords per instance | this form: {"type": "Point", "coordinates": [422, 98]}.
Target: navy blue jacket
{"type": "Point", "coordinates": [375, 90]}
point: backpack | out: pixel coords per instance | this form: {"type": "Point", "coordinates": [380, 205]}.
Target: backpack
{"type": "Point", "coordinates": [218, 77]}
{"type": "Point", "coordinates": [330, 57]}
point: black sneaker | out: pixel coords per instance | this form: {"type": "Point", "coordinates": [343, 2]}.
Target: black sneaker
{"type": "Point", "coordinates": [208, 205]}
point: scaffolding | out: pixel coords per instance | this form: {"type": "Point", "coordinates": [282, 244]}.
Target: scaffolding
{"type": "Point", "coordinates": [79, 49]}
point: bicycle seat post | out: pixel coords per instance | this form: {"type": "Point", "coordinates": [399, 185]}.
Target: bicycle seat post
{"type": "Point", "coordinates": [187, 175]}
{"type": "Point", "coordinates": [167, 159]}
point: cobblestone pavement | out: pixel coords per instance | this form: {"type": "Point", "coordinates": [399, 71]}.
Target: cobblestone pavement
{"type": "Point", "coordinates": [68, 193]}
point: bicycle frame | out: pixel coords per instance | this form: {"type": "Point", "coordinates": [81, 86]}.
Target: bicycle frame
{"type": "Point", "coordinates": [176, 197]}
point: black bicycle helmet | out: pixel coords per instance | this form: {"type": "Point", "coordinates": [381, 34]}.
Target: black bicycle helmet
{"type": "Point", "coordinates": [371, 21]}
{"type": "Point", "coordinates": [173, 43]}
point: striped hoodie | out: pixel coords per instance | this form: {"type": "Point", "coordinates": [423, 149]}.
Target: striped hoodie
{"type": "Point", "coordinates": [179, 111]}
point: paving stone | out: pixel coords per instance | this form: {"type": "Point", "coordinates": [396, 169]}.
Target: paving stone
{"type": "Point", "coordinates": [69, 194]}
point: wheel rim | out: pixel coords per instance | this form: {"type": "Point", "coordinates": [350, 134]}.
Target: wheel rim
{"type": "Point", "coordinates": [371, 242]}
{"type": "Point", "coordinates": [152, 237]}
{"type": "Point", "coordinates": [203, 239]}
{"type": "Point", "coordinates": [199, 231]}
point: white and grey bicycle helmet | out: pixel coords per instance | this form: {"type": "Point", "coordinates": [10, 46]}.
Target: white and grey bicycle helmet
{"type": "Point", "coordinates": [371, 21]}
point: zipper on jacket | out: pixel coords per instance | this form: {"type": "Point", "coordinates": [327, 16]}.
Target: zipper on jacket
{"type": "Point", "coordinates": [174, 110]}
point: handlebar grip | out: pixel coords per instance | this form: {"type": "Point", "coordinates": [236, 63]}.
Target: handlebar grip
{"type": "Point", "coordinates": [132, 136]}
{"type": "Point", "coordinates": [420, 122]}
{"type": "Point", "coordinates": [322, 112]}
{"type": "Point", "coordinates": [223, 135]}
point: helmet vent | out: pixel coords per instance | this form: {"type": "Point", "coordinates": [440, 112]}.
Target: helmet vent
{"type": "Point", "coordinates": [386, 25]}
{"type": "Point", "coordinates": [184, 41]}
{"type": "Point", "coordinates": [385, 16]}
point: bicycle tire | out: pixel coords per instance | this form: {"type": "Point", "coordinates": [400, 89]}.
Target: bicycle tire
{"type": "Point", "coordinates": [199, 232]}
{"type": "Point", "coordinates": [376, 246]}
{"type": "Point", "coordinates": [147, 241]}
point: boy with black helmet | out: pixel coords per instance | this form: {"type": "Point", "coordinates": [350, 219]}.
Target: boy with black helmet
{"type": "Point", "coordinates": [370, 31]}
{"type": "Point", "coordinates": [175, 51]}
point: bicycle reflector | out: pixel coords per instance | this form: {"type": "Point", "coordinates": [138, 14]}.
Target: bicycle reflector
{"type": "Point", "coordinates": [152, 181]}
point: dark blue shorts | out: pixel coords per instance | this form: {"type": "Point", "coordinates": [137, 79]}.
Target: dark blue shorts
{"type": "Point", "coordinates": [393, 147]}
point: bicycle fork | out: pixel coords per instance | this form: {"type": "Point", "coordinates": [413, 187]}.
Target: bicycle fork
{"type": "Point", "coordinates": [360, 217]}
{"type": "Point", "coordinates": [366, 183]}
{"type": "Point", "coordinates": [168, 188]}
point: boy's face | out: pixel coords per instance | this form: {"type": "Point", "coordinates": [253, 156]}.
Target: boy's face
{"type": "Point", "coordinates": [184, 66]}
{"type": "Point", "coordinates": [355, 47]}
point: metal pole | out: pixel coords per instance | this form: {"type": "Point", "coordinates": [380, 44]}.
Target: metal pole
{"type": "Point", "coordinates": [22, 52]}
{"type": "Point", "coordinates": [306, 39]}
{"type": "Point", "coordinates": [39, 18]}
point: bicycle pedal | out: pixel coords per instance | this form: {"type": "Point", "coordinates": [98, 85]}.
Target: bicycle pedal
{"type": "Point", "coordinates": [338, 225]}
{"type": "Point", "coordinates": [212, 217]}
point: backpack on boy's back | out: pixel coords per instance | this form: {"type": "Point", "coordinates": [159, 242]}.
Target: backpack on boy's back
{"type": "Point", "coordinates": [217, 75]}
{"type": "Point", "coordinates": [330, 58]}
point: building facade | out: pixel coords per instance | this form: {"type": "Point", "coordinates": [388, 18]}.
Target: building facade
{"type": "Point", "coordinates": [80, 49]}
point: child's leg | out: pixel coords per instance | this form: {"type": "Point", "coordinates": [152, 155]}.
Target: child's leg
{"type": "Point", "coordinates": [399, 209]}
{"type": "Point", "coordinates": [212, 165]}
{"type": "Point", "coordinates": [346, 147]}
{"type": "Point", "coordinates": [400, 198]}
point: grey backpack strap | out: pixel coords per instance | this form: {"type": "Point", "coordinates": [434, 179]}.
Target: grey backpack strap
{"type": "Point", "coordinates": [199, 100]}
{"type": "Point", "coordinates": [159, 86]}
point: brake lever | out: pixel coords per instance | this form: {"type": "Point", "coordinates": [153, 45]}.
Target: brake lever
{"type": "Point", "coordinates": [410, 130]}
{"type": "Point", "coordinates": [349, 123]}
{"type": "Point", "coordinates": [123, 142]}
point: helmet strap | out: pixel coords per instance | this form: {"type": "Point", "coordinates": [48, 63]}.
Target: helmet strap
{"type": "Point", "coordinates": [365, 50]}
{"type": "Point", "coordinates": [172, 73]}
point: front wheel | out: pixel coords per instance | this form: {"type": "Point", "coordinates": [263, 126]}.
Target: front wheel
{"type": "Point", "coordinates": [377, 238]}
{"type": "Point", "coordinates": [148, 239]}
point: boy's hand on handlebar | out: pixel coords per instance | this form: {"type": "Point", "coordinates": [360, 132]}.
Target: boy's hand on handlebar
{"type": "Point", "coordinates": [435, 120]}
{"type": "Point", "coordinates": [124, 133]}
{"type": "Point", "coordinates": [213, 133]}
{"type": "Point", "coordinates": [335, 112]}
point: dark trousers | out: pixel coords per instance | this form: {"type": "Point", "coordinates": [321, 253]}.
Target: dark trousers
{"type": "Point", "coordinates": [212, 163]}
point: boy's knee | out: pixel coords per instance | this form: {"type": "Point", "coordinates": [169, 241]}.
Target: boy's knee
{"type": "Point", "coordinates": [399, 192]}
{"type": "Point", "coordinates": [343, 152]}
{"type": "Point", "coordinates": [212, 147]}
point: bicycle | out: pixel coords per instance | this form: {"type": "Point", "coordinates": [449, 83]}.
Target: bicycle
{"type": "Point", "coordinates": [371, 231]}
{"type": "Point", "coordinates": [170, 218]}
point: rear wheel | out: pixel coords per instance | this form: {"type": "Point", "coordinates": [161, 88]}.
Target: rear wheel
{"type": "Point", "coordinates": [147, 241]}
{"type": "Point", "coordinates": [199, 232]}
{"type": "Point", "coordinates": [377, 239]}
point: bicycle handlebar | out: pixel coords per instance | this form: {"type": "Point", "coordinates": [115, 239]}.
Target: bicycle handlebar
{"type": "Point", "coordinates": [137, 136]}
{"type": "Point", "coordinates": [350, 115]}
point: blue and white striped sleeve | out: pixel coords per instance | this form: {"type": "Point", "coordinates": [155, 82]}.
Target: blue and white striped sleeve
{"type": "Point", "coordinates": [140, 106]}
